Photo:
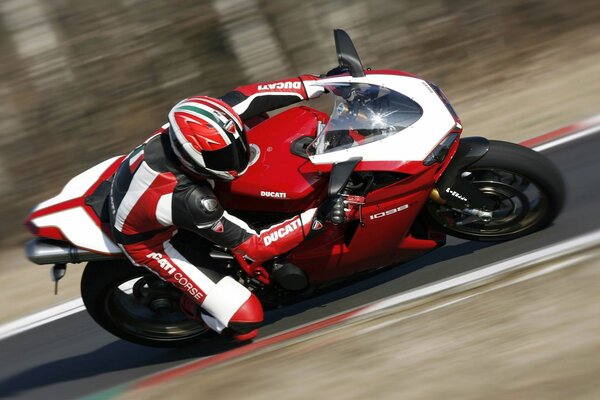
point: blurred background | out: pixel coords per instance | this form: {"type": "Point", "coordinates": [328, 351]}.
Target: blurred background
{"type": "Point", "coordinates": [83, 80]}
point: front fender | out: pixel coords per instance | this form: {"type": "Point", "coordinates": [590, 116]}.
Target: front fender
{"type": "Point", "coordinates": [451, 188]}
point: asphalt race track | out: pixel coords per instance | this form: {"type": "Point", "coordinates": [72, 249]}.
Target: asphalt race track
{"type": "Point", "coordinates": [73, 357]}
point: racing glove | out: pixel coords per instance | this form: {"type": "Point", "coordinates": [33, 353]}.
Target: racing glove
{"type": "Point", "coordinates": [312, 86]}
{"type": "Point", "coordinates": [344, 208]}
{"type": "Point", "coordinates": [339, 70]}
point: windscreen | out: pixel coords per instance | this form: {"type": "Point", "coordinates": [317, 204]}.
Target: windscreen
{"type": "Point", "coordinates": [364, 113]}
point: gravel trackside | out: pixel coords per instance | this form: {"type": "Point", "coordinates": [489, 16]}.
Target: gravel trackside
{"type": "Point", "coordinates": [534, 339]}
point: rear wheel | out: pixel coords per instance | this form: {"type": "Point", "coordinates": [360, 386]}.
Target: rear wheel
{"type": "Point", "coordinates": [526, 188]}
{"type": "Point", "coordinates": [136, 305]}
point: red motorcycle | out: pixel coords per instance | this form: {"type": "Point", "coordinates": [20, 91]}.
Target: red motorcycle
{"type": "Point", "coordinates": [389, 161]}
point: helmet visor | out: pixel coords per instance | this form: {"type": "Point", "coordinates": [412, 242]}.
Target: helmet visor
{"type": "Point", "coordinates": [234, 157]}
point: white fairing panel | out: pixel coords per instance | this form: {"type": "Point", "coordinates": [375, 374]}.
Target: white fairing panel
{"type": "Point", "coordinates": [77, 186]}
{"type": "Point", "coordinates": [79, 228]}
{"type": "Point", "coordinates": [75, 223]}
{"type": "Point", "coordinates": [412, 144]}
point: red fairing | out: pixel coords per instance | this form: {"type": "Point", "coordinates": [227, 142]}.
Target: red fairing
{"type": "Point", "coordinates": [388, 216]}
{"type": "Point", "coordinates": [285, 182]}
{"type": "Point", "coordinates": [279, 181]}
{"type": "Point", "coordinates": [49, 232]}
{"type": "Point", "coordinates": [377, 244]}
{"type": "Point", "coordinates": [385, 238]}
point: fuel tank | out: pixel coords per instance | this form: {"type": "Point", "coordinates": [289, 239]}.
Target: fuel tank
{"type": "Point", "coordinates": [282, 179]}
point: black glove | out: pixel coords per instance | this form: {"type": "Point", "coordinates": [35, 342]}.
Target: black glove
{"type": "Point", "coordinates": [339, 70]}
{"type": "Point", "coordinates": [338, 214]}
{"type": "Point", "coordinates": [342, 208]}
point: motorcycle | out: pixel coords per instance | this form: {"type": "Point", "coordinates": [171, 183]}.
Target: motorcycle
{"type": "Point", "coordinates": [390, 164]}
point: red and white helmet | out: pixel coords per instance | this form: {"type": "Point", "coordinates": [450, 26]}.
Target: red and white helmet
{"type": "Point", "coordinates": [208, 138]}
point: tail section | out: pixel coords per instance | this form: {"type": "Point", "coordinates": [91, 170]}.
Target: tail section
{"type": "Point", "coordinates": [72, 215]}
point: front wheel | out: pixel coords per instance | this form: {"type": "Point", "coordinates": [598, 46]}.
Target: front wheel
{"type": "Point", "coordinates": [136, 305]}
{"type": "Point", "coordinates": [527, 190]}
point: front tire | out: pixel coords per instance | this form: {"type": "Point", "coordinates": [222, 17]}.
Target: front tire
{"type": "Point", "coordinates": [527, 189]}
{"type": "Point", "coordinates": [134, 304]}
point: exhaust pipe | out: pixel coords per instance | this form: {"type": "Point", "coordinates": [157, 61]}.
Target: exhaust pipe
{"type": "Point", "coordinates": [46, 251]}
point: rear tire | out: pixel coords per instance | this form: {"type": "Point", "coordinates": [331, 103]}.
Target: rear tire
{"type": "Point", "coordinates": [528, 191]}
{"type": "Point", "coordinates": [146, 314]}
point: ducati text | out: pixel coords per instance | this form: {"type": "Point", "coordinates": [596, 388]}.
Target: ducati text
{"type": "Point", "coordinates": [282, 232]}
{"type": "Point", "coordinates": [184, 282]}
{"type": "Point", "coordinates": [280, 85]}
{"type": "Point", "coordinates": [164, 263]}
{"type": "Point", "coordinates": [277, 195]}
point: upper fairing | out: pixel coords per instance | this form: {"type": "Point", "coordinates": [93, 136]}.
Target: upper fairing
{"type": "Point", "coordinates": [413, 143]}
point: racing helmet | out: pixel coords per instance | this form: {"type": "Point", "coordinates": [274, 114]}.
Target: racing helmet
{"type": "Point", "coordinates": [208, 138]}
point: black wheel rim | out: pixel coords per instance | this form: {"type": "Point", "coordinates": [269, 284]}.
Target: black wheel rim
{"type": "Point", "coordinates": [148, 308]}
{"type": "Point", "coordinates": [519, 205]}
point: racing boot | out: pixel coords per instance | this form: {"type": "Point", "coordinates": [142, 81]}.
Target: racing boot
{"type": "Point", "coordinates": [242, 326]}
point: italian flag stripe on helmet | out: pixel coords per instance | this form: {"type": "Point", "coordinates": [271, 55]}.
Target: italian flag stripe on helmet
{"type": "Point", "coordinates": [199, 110]}
{"type": "Point", "coordinates": [207, 115]}
{"type": "Point", "coordinates": [221, 106]}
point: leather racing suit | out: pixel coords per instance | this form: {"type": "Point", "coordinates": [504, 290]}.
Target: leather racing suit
{"type": "Point", "coordinates": [155, 207]}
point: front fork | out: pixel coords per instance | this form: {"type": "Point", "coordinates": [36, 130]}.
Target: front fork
{"type": "Point", "coordinates": [485, 216]}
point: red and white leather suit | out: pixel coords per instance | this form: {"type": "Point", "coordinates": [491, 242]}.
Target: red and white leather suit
{"type": "Point", "coordinates": [154, 204]}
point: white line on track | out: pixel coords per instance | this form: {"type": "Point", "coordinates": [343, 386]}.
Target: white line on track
{"type": "Point", "coordinates": [544, 254]}
{"type": "Point", "coordinates": [553, 267]}
{"type": "Point", "coordinates": [46, 316]}
{"type": "Point", "coordinates": [41, 318]}
{"type": "Point", "coordinates": [74, 306]}
{"type": "Point", "coordinates": [575, 136]}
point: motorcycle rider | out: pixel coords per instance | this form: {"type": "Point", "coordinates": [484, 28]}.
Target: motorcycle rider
{"type": "Point", "coordinates": [162, 192]}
